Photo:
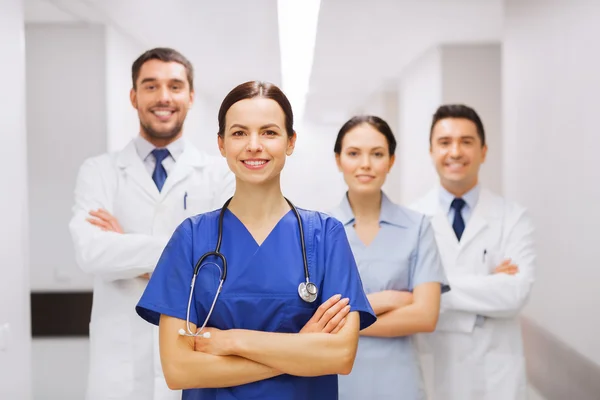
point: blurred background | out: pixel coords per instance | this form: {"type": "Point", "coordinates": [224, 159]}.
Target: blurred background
{"type": "Point", "coordinates": [529, 67]}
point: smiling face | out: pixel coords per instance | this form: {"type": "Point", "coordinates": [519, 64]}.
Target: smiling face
{"type": "Point", "coordinates": [255, 141]}
{"type": "Point", "coordinates": [457, 153]}
{"type": "Point", "coordinates": [162, 97]}
{"type": "Point", "coordinates": [364, 159]}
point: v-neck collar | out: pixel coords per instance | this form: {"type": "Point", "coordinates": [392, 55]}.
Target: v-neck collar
{"type": "Point", "coordinates": [275, 227]}
{"type": "Point", "coordinates": [358, 240]}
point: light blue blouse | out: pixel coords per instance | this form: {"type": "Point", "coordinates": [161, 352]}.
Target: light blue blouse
{"type": "Point", "coordinates": [402, 256]}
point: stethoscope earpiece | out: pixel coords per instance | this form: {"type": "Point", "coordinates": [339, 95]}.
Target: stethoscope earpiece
{"type": "Point", "coordinates": [205, 335]}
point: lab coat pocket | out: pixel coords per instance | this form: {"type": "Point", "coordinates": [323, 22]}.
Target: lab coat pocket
{"type": "Point", "coordinates": [295, 318]}
{"type": "Point", "coordinates": [491, 259]}
{"type": "Point", "coordinates": [111, 356]}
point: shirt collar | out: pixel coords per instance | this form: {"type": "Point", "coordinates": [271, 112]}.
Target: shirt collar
{"type": "Point", "coordinates": [144, 147]}
{"type": "Point", "coordinates": [389, 212]}
{"type": "Point", "coordinates": [471, 198]}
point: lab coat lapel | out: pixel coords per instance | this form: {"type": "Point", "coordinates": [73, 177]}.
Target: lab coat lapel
{"type": "Point", "coordinates": [130, 163]}
{"type": "Point", "coordinates": [442, 227]}
{"type": "Point", "coordinates": [430, 206]}
{"type": "Point", "coordinates": [184, 166]}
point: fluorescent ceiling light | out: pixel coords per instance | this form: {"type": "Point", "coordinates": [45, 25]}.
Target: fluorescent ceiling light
{"type": "Point", "coordinates": [297, 35]}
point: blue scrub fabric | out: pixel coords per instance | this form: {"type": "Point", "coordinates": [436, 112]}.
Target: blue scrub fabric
{"type": "Point", "coordinates": [260, 291]}
{"type": "Point", "coordinates": [402, 256]}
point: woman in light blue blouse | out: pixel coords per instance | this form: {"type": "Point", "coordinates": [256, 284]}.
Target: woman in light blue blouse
{"type": "Point", "coordinates": [399, 265]}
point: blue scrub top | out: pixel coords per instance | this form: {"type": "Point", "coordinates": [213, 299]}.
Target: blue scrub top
{"type": "Point", "coordinates": [261, 289]}
{"type": "Point", "coordinates": [402, 256]}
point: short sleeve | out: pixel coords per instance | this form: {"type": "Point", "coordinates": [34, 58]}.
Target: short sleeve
{"type": "Point", "coordinates": [169, 287]}
{"type": "Point", "coordinates": [341, 274]}
{"type": "Point", "coordinates": [427, 265]}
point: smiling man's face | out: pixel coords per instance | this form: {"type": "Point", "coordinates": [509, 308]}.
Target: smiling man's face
{"type": "Point", "coordinates": [162, 97]}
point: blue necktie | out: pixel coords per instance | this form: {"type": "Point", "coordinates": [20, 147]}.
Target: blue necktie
{"type": "Point", "coordinates": [160, 174]}
{"type": "Point", "coordinates": [459, 223]}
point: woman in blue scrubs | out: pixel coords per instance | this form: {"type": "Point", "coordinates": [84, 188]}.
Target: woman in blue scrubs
{"type": "Point", "coordinates": [399, 265]}
{"type": "Point", "coordinates": [258, 345]}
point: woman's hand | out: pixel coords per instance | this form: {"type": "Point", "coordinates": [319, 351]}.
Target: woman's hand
{"type": "Point", "coordinates": [219, 343]}
{"type": "Point", "coordinates": [330, 317]}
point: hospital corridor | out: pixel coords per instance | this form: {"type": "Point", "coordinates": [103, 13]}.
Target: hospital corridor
{"type": "Point", "coordinates": [316, 199]}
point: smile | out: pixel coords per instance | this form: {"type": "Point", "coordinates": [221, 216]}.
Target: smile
{"type": "Point", "coordinates": [163, 115]}
{"type": "Point", "coordinates": [455, 165]}
{"type": "Point", "coordinates": [255, 164]}
{"type": "Point", "coordinates": [365, 178]}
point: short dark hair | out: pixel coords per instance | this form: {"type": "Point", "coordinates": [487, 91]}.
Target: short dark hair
{"type": "Point", "coordinates": [252, 89]}
{"type": "Point", "coordinates": [164, 54]}
{"type": "Point", "coordinates": [376, 122]}
{"type": "Point", "coordinates": [458, 111]}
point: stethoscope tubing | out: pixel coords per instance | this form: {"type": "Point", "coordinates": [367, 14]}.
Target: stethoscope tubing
{"type": "Point", "coordinates": [223, 271]}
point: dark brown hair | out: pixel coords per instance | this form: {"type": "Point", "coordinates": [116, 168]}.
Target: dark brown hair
{"type": "Point", "coordinates": [164, 54]}
{"type": "Point", "coordinates": [458, 111]}
{"type": "Point", "coordinates": [250, 90]}
{"type": "Point", "coordinates": [253, 89]}
{"type": "Point", "coordinates": [376, 122]}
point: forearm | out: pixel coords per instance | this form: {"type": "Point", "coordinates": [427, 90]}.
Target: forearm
{"type": "Point", "coordinates": [402, 321]}
{"type": "Point", "coordinates": [201, 370]}
{"type": "Point", "coordinates": [382, 302]}
{"type": "Point", "coordinates": [114, 255]}
{"type": "Point", "coordinates": [309, 354]}
{"type": "Point", "coordinates": [186, 368]}
{"type": "Point", "coordinates": [495, 296]}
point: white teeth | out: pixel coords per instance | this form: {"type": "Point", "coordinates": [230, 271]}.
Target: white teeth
{"type": "Point", "coordinates": [255, 163]}
{"type": "Point", "coordinates": [163, 113]}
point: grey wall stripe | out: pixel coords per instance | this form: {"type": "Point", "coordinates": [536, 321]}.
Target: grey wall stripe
{"type": "Point", "coordinates": [557, 371]}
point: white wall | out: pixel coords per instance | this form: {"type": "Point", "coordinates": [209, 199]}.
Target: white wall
{"type": "Point", "coordinates": [15, 329]}
{"type": "Point", "coordinates": [122, 123]}
{"type": "Point", "coordinates": [201, 124]}
{"type": "Point", "coordinates": [420, 93]}
{"type": "Point", "coordinates": [60, 368]}
{"type": "Point", "coordinates": [551, 61]}
{"type": "Point", "coordinates": [310, 178]}
{"type": "Point", "coordinates": [66, 121]}
{"type": "Point", "coordinates": [384, 104]}
{"type": "Point", "coordinates": [471, 75]}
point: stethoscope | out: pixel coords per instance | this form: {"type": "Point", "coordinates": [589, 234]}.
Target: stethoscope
{"type": "Point", "coordinates": [306, 290]}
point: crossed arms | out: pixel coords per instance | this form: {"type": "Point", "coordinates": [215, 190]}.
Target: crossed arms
{"type": "Point", "coordinates": [236, 357]}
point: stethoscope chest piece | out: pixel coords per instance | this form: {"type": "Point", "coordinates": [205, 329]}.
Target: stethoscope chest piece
{"type": "Point", "coordinates": [308, 291]}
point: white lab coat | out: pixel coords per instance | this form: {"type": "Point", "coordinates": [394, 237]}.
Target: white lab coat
{"type": "Point", "coordinates": [124, 357]}
{"type": "Point", "coordinates": [462, 359]}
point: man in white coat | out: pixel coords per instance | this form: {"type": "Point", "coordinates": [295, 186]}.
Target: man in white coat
{"type": "Point", "coordinates": [486, 246]}
{"type": "Point", "coordinates": [127, 205]}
